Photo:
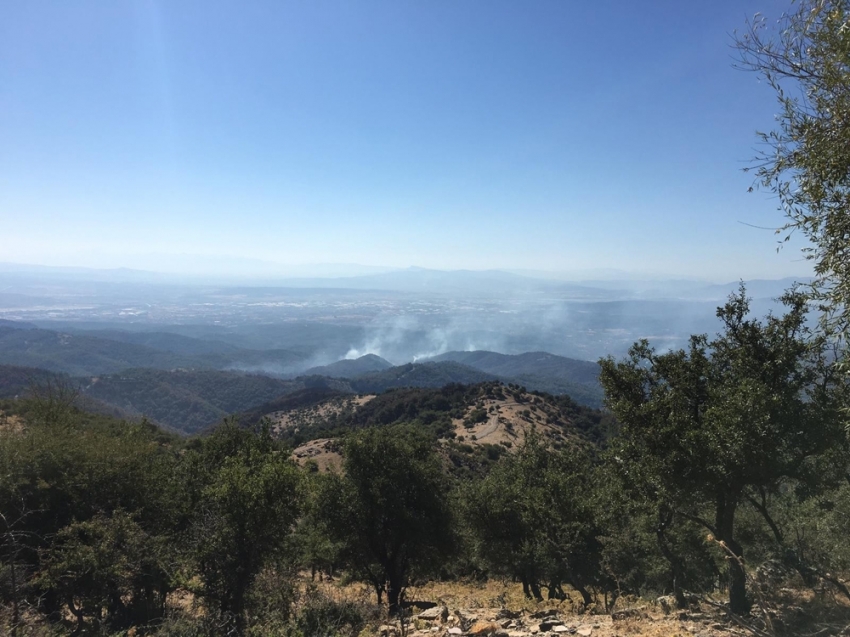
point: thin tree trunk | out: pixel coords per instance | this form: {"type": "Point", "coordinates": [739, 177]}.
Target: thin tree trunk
{"type": "Point", "coordinates": [394, 587]}
{"type": "Point", "coordinates": [761, 507]}
{"type": "Point", "coordinates": [15, 610]}
{"type": "Point", "coordinates": [726, 504]}
{"type": "Point", "coordinates": [586, 597]}
{"type": "Point", "coordinates": [665, 518]}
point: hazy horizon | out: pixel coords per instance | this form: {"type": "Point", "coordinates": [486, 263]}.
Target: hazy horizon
{"type": "Point", "coordinates": [192, 268]}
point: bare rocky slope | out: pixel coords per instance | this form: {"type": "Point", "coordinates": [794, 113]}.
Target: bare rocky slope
{"type": "Point", "coordinates": [475, 424]}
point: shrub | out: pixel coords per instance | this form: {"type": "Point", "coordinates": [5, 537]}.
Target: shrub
{"type": "Point", "coordinates": [322, 616]}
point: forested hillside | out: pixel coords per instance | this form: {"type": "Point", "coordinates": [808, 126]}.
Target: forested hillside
{"type": "Point", "coordinates": [490, 413]}
{"type": "Point", "coordinates": [192, 400]}
{"type": "Point", "coordinates": [88, 353]}
{"type": "Point", "coordinates": [187, 401]}
{"type": "Point", "coordinates": [417, 375]}
{"type": "Point", "coordinates": [539, 371]}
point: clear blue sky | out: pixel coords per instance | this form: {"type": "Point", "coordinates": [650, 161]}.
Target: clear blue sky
{"type": "Point", "coordinates": [551, 135]}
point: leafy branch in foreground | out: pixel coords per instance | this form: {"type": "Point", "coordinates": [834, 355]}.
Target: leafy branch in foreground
{"type": "Point", "coordinates": [805, 59]}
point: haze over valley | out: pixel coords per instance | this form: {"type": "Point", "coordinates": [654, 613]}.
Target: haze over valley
{"type": "Point", "coordinates": [185, 353]}
{"type": "Point", "coordinates": [402, 315]}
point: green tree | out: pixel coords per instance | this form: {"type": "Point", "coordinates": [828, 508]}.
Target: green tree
{"type": "Point", "coordinates": [102, 568]}
{"type": "Point", "coordinates": [389, 509]}
{"type": "Point", "coordinates": [65, 467]}
{"type": "Point", "coordinates": [703, 428]}
{"type": "Point", "coordinates": [318, 552]}
{"type": "Point", "coordinates": [246, 499]}
{"type": "Point", "coordinates": [806, 61]}
{"type": "Point", "coordinates": [532, 518]}
{"type": "Point", "coordinates": [646, 548]}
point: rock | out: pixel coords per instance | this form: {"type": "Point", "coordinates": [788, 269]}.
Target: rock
{"type": "Point", "coordinates": [387, 630]}
{"type": "Point", "coordinates": [483, 628]}
{"type": "Point", "coordinates": [454, 630]}
{"type": "Point", "coordinates": [540, 614]}
{"type": "Point", "coordinates": [506, 623]}
{"type": "Point", "coordinates": [667, 603]}
{"type": "Point", "coordinates": [550, 623]}
{"type": "Point", "coordinates": [504, 613]}
{"type": "Point", "coordinates": [517, 633]}
{"type": "Point", "coordinates": [584, 631]}
{"type": "Point", "coordinates": [433, 614]}
{"type": "Point", "coordinates": [465, 617]}
{"type": "Point", "coordinates": [560, 629]}
{"type": "Point", "coordinates": [685, 616]}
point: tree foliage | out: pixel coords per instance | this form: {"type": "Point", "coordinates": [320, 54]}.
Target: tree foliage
{"type": "Point", "coordinates": [702, 428]}
{"type": "Point", "coordinates": [389, 508]}
{"type": "Point", "coordinates": [247, 495]}
{"type": "Point", "coordinates": [532, 518]}
{"type": "Point", "coordinates": [806, 61]}
{"type": "Point", "coordinates": [107, 569]}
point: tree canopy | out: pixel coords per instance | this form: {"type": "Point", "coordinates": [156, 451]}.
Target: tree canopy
{"type": "Point", "coordinates": [703, 427]}
{"type": "Point", "coordinates": [805, 59]}
{"type": "Point", "coordinates": [390, 508]}
{"type": "Point", "coordinates": [532, 518]}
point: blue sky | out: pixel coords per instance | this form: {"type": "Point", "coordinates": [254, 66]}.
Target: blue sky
{"type": "Point", "coordinates": [543, 135]}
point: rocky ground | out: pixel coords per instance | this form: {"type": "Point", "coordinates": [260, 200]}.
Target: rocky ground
{"type": "Point", "coordinates": [487, 622]}
{"type": "Point", "coordinates": [484, 611]}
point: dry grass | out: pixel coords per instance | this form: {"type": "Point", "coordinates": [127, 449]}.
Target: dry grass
{"type": "Point", "coordinates": [509, 420]}
{"type": "Point", "coordinates": [823, 615]}
{"type": "Point", "coordinates": [331, 408]}
{"type": "Point", "coordinates": [321, 452]}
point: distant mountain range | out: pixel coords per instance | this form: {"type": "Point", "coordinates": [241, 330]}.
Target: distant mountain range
{"type": "Point", "coordinates": [190, 383]}
{"type": "Point", "coordinates": [205, 271]}
{"type": "Point", "coordinates": [528, 364]}
{"type": "Point", "coordinates": [191, 401]}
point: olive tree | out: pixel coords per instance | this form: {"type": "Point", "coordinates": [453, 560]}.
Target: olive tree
{"type": "Point", "coordinates": [704, 427]}
{"type": "Point", "coordinates": [531, 518]}
{"type": "Point", "coordinates": [389, 510]}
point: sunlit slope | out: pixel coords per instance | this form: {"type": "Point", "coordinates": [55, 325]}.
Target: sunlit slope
{"type": "Point", "coordinates": [475, 424]}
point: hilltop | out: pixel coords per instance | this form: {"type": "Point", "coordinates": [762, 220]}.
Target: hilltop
{"type": "Point", "coordinates": [351, 367]}
{"type": "Point", "coordinates": [475, 424]}
{"type": "Point", "coordinates": [541, 371]}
